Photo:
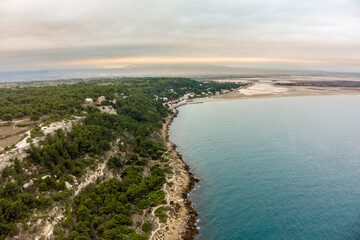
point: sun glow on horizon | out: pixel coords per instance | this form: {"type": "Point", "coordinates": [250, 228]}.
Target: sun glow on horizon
{"type": "Point", "coordinates": [124, 61]}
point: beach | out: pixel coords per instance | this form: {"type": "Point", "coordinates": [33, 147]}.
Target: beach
{"type": "Point", "coordinates": [269, 89]}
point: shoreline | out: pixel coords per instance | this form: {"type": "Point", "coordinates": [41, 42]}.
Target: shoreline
{"type": "Point", "coordinates": [181, 223]}
{"type": "Point", "coordinates": [291, 91]}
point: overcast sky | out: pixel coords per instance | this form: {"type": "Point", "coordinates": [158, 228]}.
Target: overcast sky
{"type": "Point", "coordinates": [45, 34]}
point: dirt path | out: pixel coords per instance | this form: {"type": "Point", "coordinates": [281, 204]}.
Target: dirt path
{"type": "Point", "coordinates": [160, 227]}
{"type": "Point", "coordinates": [100, 171]}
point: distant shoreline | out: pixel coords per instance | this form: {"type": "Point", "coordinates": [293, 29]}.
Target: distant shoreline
{"type": "Point", "coordinates": [289, 91]}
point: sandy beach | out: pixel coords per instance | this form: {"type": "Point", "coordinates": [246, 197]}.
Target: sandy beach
{"type": "Point", "coordinates": [269, 89]}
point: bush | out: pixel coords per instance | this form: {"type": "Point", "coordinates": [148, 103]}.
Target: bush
{"type": "Point", "coordinates": [134, 157]}
{"type": "Point", "coordinates": [115, 163]}
{"type": "Point", "coordinates": [43, 187]}
{"type": "Point", "coordinates": [7, 148]}
{"type": "Point", "coordinates": [147, 227]}
{"type": "Point", "coordinates": [21, 125]}
{"type": "Point", "coordinates": [77, 171]}
{"type": "Point", "coordinates": [36, 132]}
{"type": "Point", "coordinates": [69, 221]}
{"type": "Point", "coordinates": [7, 117]}
{"type": "Point", "coordinates": [160, 213]}
{"type": "Point", "coordinates": [17, 211]}
{"type": "Point", "coordinates": [61, 195]}
{"type": "Point", "coordinates": [10, 190]}
{"type": "Point", "coordinates": [7, 172]}
{"type": "Point", "coordinates": [43, 202]}
{"type": "Point", "coordinates": [7, 230]}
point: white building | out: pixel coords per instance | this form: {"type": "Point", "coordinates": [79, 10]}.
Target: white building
{"type": "Point", "coordinates": [89, 101]}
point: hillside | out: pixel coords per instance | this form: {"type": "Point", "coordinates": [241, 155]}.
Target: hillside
{"type": "Point", "coordinates": [94, 169]}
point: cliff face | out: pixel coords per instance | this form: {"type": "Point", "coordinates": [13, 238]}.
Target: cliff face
{"type": "Point", "coordinates": [21, 147]}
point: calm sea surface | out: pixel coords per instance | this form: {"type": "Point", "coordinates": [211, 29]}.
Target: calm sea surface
{"type": "Point", "coordinates": [276, 168]}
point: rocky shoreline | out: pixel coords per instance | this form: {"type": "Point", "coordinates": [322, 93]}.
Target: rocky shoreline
{"type": "Point", "coordinates": [182, 218]}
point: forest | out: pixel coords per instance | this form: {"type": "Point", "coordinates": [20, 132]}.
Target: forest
{"type": "Point", "coordinates": [129, 143]}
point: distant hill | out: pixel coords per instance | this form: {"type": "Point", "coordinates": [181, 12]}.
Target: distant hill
{"type": "Point", "coordinates": [194, 70]}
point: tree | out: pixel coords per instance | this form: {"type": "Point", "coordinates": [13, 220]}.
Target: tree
{"type": "Point", "coordinates": [147, 227]}
{"type": "Point", "coordinates": [34, 116]}
{"type": "Point", "coordinates": [16, 211]}
{"type": "Point", "coordinates": [7, 229]}
{"type": "Point", "coordinates": [10, 190]}
{"type": "Point", "coordinates": [7, 117]}
{"type": "Point", "coordinates": [17, 166]}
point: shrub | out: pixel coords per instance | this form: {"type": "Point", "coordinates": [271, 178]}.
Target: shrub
{"type": "Point", "coordinates": [7, 117]}
{"type": "Point", "coordinates": [147, 227]}
{"type": "Point", "coordinates": [36, 132]}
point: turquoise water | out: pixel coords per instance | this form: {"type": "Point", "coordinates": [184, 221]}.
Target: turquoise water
{"type": "Point", "coordinates": [279, 168]}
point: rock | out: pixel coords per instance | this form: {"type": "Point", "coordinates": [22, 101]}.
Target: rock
{"type": "Point", "coordinates": [101, 98]}
{"type": "Point", "coordinates": [68, 185]}
{"type": "Point", "coordinates": [74, 179]}
{"type": "Point", "coordinates": [26, 185]}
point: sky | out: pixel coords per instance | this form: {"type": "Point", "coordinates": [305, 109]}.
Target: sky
{"type": "Point", "coordinates": [289, 34]}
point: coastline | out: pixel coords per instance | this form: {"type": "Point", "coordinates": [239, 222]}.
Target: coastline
{"type": "Point", "coordinates": [289, 91]}
{"type": "Point", "coordinates": [182, 218]}
{"type": "Point", "coordinates": [181, 223]}
{"type": "Point", "coordinates": [214, 150]}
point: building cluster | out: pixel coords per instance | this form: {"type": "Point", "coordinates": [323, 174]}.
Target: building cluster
{"type": "Point", "coordinates": [179, 100]}
{"type": "Point", "coordinates": [189, 95]}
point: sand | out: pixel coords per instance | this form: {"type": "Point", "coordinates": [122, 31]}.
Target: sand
{"type": "Point", "coordinates": [264, 90]}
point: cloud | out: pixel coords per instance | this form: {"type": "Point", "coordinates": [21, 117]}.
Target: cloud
{"type": "Point", "coordinates": [47, 33]}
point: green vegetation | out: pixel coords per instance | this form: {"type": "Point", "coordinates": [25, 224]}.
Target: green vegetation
{"type": "Point", "coordinates": [36, 132]}
{"type": "Point", "coordinates": [7, 148]}
{"type": "Point", "coordinates": [21, 125]}
{"type": "Point", "coordinates": [7, 117]}
{"type": "Point", "coordinates": [160, 213]}
{"type": "Point", "coordinates": [127, 142]}
{"type": "Point", "coordinates": [65, 100]}
{"type": "Point", "coordinates": [105, 210]}
{"type": "Point", "coordinates": [147, 227]}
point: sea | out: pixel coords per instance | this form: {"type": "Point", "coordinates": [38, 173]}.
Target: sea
{"type": "Point", "coordinates": [273, 168]}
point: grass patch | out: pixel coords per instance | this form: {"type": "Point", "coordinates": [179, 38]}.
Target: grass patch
{"type": "Point", "coordinates": [22, 125]}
